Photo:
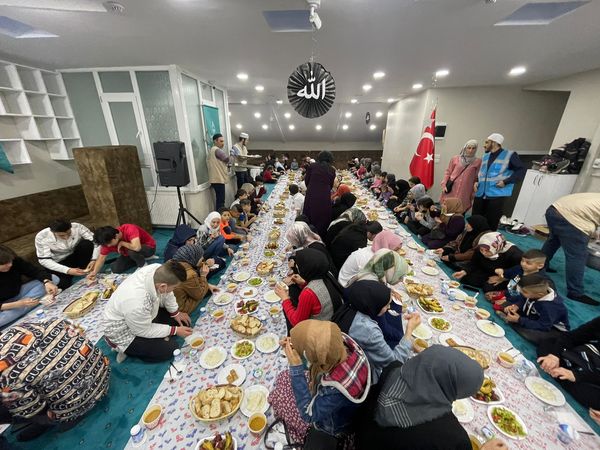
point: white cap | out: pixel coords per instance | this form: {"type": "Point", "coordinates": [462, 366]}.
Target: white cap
{"type": "Point", "coordinates": [243, 135]}
{"type": "Point", "coordinates": [496, 137]}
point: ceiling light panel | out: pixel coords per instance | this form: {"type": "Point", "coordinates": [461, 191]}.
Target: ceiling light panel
{"type": "Point", "coordinates": [379, 75]}
{"type": "Point", "coordinates": [242, 76]}
{"type": "Point", "coordinates": [516, 71]}
{"type": "Point", "coordinates": [540, 13]}
{"type": "Point", "coordinates": [57, 5]}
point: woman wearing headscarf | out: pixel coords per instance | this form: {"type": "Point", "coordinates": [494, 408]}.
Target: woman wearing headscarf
{"type": "Point", "coordinates": [413, 410]}
{"type": "Point", "coordinates": [319, 180]}
{"type": "Point", "coordinates": [351, 238]}
{"type": "Point", "coordinates": [402, 188]}
{"type": "Point", "coordinates": [494, 252]}
{"type": "Point", "coordinates": [359, 258]}
{"type": "Point", "coordinates": [419, 218]}
{"type": "Point", "coordinates": [387, 267]}
{"type": "Point", "coordinates": [415, 193]}
{"type": "Point", "coordinates": [209, 237]}
{"type": "Point", "coordinates": [339, 380]}
{"type": "Point", "coordinates": [189, 293]}
{"type": "Point", "coordinates": [352, 215]}
{"type": "Point", "coordinates": [345, 202]}
{"type": "Point", "coordinates": [321, 293]}
{"type": "Point", "coordinates": [341, 190]}
{"type": "Point", "coordinates": [300, 236]}
{"type": "Point", "coordinates": [461, 175]}
{"type": "Point", "coordinates": [462, 248]}
{"type": "Point", "coordinates": [450, 224]}
{"type": "Point", "coordinates": [367, 301]}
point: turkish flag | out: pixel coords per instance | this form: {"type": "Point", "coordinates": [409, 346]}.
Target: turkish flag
{"type": "Point", "coordinates": [422, 161]}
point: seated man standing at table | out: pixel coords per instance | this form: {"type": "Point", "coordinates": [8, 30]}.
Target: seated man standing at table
{"type": "Point", "coordinates": [18, 298]}
{"type": "Point", "coordinates": [66, 249]}
{"type": "Point", "coordinates": [142, 316]}
{"type": "Point", "coordinates": [133, 244]}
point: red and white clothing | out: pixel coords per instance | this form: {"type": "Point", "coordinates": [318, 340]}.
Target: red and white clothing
{"type": "Point", "coordinates": [314, 302]}
{"type": "Point", "coordinates": [129, 232]}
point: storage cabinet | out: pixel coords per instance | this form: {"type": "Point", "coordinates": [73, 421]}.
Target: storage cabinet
{"type": "Point", "coordinates": [538, 192]}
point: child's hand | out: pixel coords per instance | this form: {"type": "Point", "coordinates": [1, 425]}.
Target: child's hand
{"type": "Point", "coordinates": [413, 321]}
{"type": "Point", "coordinates": [512, 317]}
{"type": "Point", "coordinates": [204, 269]}
{"type": "Point", "coordinates": [459, 275]}
{"type": "Point", "coordinates": [595, 415]}
{"type": "Point", "coordinates": [563, 374]}
{"type": "Point", "coordinates": [499, 272]}
{"type": "Point", "coordinates": [495, 280]}
{"type": "Point", "coordinates": [512, 309]}
{"type": "Point", "coordinates": [548, 363]}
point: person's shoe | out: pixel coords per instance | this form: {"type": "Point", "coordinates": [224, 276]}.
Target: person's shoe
{"type": "Point", "coordinates": [584, 299]}
{"type": "Point", "coordinates": [32, 431]}
{"type": "Point", "coordinates": [505, 220]}
{"type": "Point", "coordinates": [121, 357]}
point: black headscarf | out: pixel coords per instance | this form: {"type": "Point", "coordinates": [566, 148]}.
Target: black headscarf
{"type": "Point", "coordinates": [402, 188]}
{"type": "Point", "coordinates": [479, 225]}
{"type": "Point", "coordinates": [313, 265]}
{"type": "Point", "coordinates": [345, 202]}
{"type": "Point", "coordinates": [365, 296]}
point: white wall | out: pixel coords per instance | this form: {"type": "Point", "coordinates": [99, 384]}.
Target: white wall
{"type": "Point", "coordinates": [314, 146]}
{"type": "Point", "coordinates": [528, 121]}
{"type": "Point", "coordinates": [202, 203]}
{"type": "Point", "coordinates": [580, 119]}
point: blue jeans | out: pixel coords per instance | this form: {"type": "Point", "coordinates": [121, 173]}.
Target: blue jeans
{"type": "Point", "coordinates": [215, 248]}
{"type": "Point", "coordinates": [574, 243]}
{"type": "Point", "coordinates": [31, 289]}
{"type": "Point", "coordinates": [219, 189]}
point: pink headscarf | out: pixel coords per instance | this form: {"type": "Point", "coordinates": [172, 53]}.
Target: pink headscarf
{"type": "Point", "coordinates": [386, 239]}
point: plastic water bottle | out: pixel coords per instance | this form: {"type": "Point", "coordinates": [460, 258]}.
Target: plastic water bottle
{"type": "Point", "coordinates": [444, 287]}
{"type": "Point", "coordinates": [566, 433]}
{"type": "Point", "coordinates": [137, 434]}
{"type": "Point", "coordinates": [177, 356]}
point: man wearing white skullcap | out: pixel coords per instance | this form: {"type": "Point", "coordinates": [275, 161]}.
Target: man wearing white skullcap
{"type": "Point", "coordinates": [240, 152]}
{"type": "Point", "coordinates": [500, 170]}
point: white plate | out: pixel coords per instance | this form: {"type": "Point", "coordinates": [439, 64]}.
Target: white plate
{"type": "Point", "coordinates": [223, 299]}
{"type": "Point", "coordinates": [249, 394]}
{"type": "Point", "coordinates": [392, 226]}
{"type": "Point", "coordinates": [490, 328]}
{"type": "Point", "coordinates": [264, 346]}
{"type": "Point", "coordinates": [498, 392]}
{"type": "Point", "coordinates": [430, 312]}
{"type": "Point", "coordinates": [422, 332]}
{"type": "Point", "coordinates": [442, 338]}
{"type": "Point", "coordinates": [458, 294]}
{"type": "Point", "coordinates": [211, 437]}
{"type": "Point", "coordinates": [258, 285]}
{"type": "Point", "coordinates": [217, 362]}
{"type": "Point", "coordinates": [413, 245]}
{"type": "Point", "coordinates": [430, 321]}
{"type": "Point", "coordinates": [545, 391]}
{"type": "Point", "coordinates": [430, 270]}
{"type": "Point", "coordinates": [271, 297]}
{"type": "Point", "coordinates": [403, 295]}
{"type": "Point", "coordinates": [224, 372]}
{"type": "Point", "coordinates": [241, 276]}
{"type": "Point", "coordinates": [243, 357]}
{"type": "Point", "coordinates": [489, 413]}
{"type": "Point", "coordinates": [249, 292]}
{"type": "Point", "coordinates": [463, 410]}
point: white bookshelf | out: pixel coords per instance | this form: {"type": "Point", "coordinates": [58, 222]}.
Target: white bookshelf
{"type": "Point", "coordinates": [35, 114]}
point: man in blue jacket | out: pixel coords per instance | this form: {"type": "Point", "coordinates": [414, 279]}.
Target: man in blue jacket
{"type": "Point", "coordinates": [500, 170]}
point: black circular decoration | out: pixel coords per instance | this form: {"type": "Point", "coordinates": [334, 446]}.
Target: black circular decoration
{"type": "Point", "coordinates": [368, 118]}
{"type": "Point", "coordinates": [311, 90]}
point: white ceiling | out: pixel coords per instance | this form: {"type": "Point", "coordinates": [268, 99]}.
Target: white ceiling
{"type": "Point", "coordinates": [407, 39]}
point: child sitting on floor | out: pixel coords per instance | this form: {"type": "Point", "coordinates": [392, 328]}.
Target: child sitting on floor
{"type": "Point", "coordinates": [249, 218]}
{"type": "Point", "coordinates": [269, 176]}
{"type": "Point", "coordinates": [240, 195]}
{"type": "Point", "coordinates": [235, 223]}
{"type": "Point", "coordinates": [297, 199]}
{"type": "Point", "coordinates": [538, 312]}
{"type": "Point", "coordinates": [226, 231]}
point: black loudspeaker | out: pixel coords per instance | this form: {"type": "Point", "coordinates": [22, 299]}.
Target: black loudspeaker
{"type": "Point", "coordinates": [171, 163]}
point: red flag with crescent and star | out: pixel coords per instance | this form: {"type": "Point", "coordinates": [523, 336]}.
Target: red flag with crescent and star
{"type": "Point", "coordinates": [421, 164]}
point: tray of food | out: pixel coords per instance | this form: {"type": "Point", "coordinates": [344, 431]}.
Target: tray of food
{"type": "Point", "coordinates": [246, 325]}
{"type": "Point", "coordinates": [216, 403]}
{"type": "Point", "coordinates": [81, 306]}
{"type": "Point", "coordinates": [418, 289]}
{"type": "Point", "coordinates": [265, 267]}
{"type": "Point", "coordinates": [430, 305]}
{"type": "Point", "coordinates": [481, 356]}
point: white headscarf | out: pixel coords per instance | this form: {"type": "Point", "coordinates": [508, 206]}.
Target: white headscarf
{"type": "Point", "coordinates": [207, 222]}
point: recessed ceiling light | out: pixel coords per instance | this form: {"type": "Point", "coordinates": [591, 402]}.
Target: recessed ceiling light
{"type": "Point", "coordinates": [348, 115]}
{"type": "Point", "coordinates": [244, 102]}
{"type": "Point", "coordinates": [516, 71]}
{"type": "Point", "coordinates": [379, 75]}
{"type": "Point", "coordinates": [391, 100]}
{"type": "Point", "coordinates": [242, 76]}
{"type": "Point", "coordinates": [318, 127]}
{"type": "Point", "coordinates": [229, 113]}
{"type": "Point", "coordinates": [279, 102]}
{"type": "Point", "coordinates": [372, 127]}
{"type": "Point", "coordinates": [292, 127]}
{"type": "Point", "coordinates": [442, 73]}
{"type": "Point", "coordinates": [417, 86]}
{"type": "Point", "coordinates": [345, 127]}
{"type": "Point", "coordinates": [287, 115]}
{"type": "Point", "coordinates": [353, 101]}
{"type": "Point", "coordinates": [238, 126]}
{"type": "Point", "coordinates": [259, 87]}
{"type": "Point", "coordinates": [367, 87]}
{"type": "Point", "coordinates": [378, 114]}
{"type": "Point", "coordinates": [265, 126]}
{"type": "Point", "coordinates": [257, 115]}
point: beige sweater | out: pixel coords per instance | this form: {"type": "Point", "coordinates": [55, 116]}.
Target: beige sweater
{"type": "Point", "coordinates": [217, 169]}
{"type": "Point", "coordinates": [581, 210]}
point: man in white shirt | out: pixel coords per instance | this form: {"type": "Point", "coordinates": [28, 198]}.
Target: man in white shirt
{"type": "Point", "coordinates": [142, 317]}
{"type": "Point", "coordinates": [240, 152]}
{"type": "Point", "coordinates": [297, 199]}
{"type": "Point", "coordinates": [66, 249]}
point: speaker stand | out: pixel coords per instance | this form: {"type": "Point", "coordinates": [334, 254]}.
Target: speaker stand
{"type": "Point", "coordinates": [183, 211]}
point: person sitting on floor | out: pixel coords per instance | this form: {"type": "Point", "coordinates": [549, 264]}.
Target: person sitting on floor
{"type": "Point", "coordinates": [400, 194]}
{"type": "Point", "coordinates": [351, 238]}
{"type": "Point", "coordinates": [240, 195]}
{"type": "Point", "coordinates": [350, 216]}
{"type": "Point", "coordinates": [132, 243]}
{"type": "Point", "coordinates": [259, 188]}
{"type": "Point", "coordinates": [209, 237]}
{"type": "Point", "coordinates": [462, 248]}
{"type": "Point", "coordinates": [321, 294]}
{"type": "Point", "coordinates": [249, 216]}
{"type": "Point", "coordinates": [573, 359]}
{"type": "Point", "coordinates": [294, 164]}
{"type": "Point", "coordinates": [185, 235]}
{"type": "Point", "coordinates": [415, 193]}
{"type": "Point", "coordinates": [420, 218]}
{"type": "Point", "coordinates": [17, 298]}
{"type": "Point", "coordinates": [494, 253]}
{"type": "Point", "coordinates": [66, 249]}
{"type": "Point", "coordinates": [51, 376]}
{"type": "Point", "coordinates": [142, 316]}
{"type": "Point", "coordinates": [269, 176]}
{"type": "Point", "coordinates": [296, 199]}
{"type": "Point", "coordinates": [341, 190]}
{"type": "Point", "coordinates": [449, 225]}
{"type": "Point", "coordinates": [338, 381]}
{"type": "Point", "coordinates": [366, 301]}
{"type": "Point", "coordinates": [344, 203]}
{"type": "Point", "coordinates": [225, 228]}
{"type": "Point", "coordinates": [189, 293]}
{"type": "Point", "coordinates": [539, 312]}
{"type": "Point", "coordinates": [235, 223]}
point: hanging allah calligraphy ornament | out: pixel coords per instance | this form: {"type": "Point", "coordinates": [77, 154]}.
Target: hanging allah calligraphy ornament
{"type": "Point", "coordinates": [311, 90]}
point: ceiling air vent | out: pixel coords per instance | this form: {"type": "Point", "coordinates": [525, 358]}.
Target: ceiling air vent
{"type": "Point", "coordinates": [114, 7]}
{"type": "Point", "coordinates": [540, 13]}
{"type": "Point", "coordinates": [289, 21]}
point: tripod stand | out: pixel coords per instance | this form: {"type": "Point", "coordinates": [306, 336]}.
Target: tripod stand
{"type": "Point", "coordinates": [183, 211]}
